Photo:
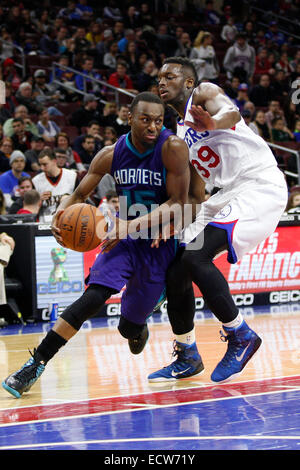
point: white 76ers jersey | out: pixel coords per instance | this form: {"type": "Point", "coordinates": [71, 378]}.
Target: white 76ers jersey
{"type": "Point", "coordinates": [223, 157]}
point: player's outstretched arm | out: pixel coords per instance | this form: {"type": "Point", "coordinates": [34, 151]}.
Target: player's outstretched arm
{"type": "Point", "coordinates": [100, 165]}
{"type": "Point", "coordinates": [212, 109]}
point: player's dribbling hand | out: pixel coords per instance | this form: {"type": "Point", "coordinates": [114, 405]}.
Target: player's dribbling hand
{"type": "Point", "coordinates": [54, 229]}
{"type": "Point", "coordinates": [203, 121]}
{"type": "Point", "coordinates": [118, 232]}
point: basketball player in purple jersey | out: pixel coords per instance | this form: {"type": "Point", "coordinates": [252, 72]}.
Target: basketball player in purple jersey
{"type": "Point", "coordinates": [150, 165]}
{"type": "Point", "coordinates": [224, 153]}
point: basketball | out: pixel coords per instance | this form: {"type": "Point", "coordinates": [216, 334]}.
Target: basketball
{"type": "Point", "coordinates": [81, 225]}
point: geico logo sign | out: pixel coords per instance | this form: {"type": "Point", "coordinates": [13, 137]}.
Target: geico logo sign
{"type": "Point", "coordinates": [113, 309]}
{"type": "Point", "coordinates": [243, 299]}
{"type": "Point", "coordinates": [59, 287]}
{"type": "Point", "coordinates": [284, 296]}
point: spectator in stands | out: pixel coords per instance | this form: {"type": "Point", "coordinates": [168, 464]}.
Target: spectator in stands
{"type": "Point", "coordinates": [41, 20]}
{"type": "Point", "coordinates": [47, 129]}
{"type": "Point", "coordinates": [24, 96]}
{"type": "Point", "coordinates": [93, 128]}
{"type": "Point", "coordinates": [129, 35]}
{"type": "Point", "coordinates": [262, 63]}
{"type": "Point", "coordinates": [296, 60]}
{"type": "Point", "coordinates": [120, 79]}
{"type": "Point", "coordinates": [52, 183]}
{"type": "Point", "coordinates": [21, 138]}
{"type": "Point", "coordinates": [88, 150]}
{"type": "Point", "coordinates": [31, 203]}
{"type": "Point", "coordinates": [204, 57]}
{"type": "Point", "coordinates": [184, 46]}
{"type": "Point", "coordinates": [280, 84]}
{"type": "Point", "coordinates": [146, 16]}
{"type": "Point", "coordinates": [110, 58]}
{"type": "Point", "coordinates": [62, 141]}
{"type": "Point", "coordinates": [61, 37]}
{"type": "Point", "coordinates": [10, 99]}
{"type": "Point", "coordinates": [10, 74]}
{"type": "Point", "coordinates": [103, 46]}
{"type": "Point", "coordinates": [6, 148]}
{"type": "Point", "coordinates": [249, 106]}
{"type": "Point", "coordinates": [82, 45]}
{"type": "Point", "coordinates": [9, 181]}
{"type": "Point", "coordinates": [274, 111]}
{"type": "Point", "coordinates": [44, 93]}
{"type": "Point", "coordinates": [89, 111]}
{"type": "Point", "coordinates": [62, 159]}
{"type": "Point", "coordinates": [262, 93]}
{"type": "Point", "coordinates": [274, 35]}
{"type": "Point", "coordinates": [130, 56]}
{"type": "Point", "coordinates": [25, 184]}
{"type": "Point", "coordinates": [211, 16]}
{"type": "Point", "coordinates": [239, 59]}
{"type": "Point", "coordinates": [284, 64]}
{"type": "Point", "coordinates": [37, 144]}
{"type": "Point", "coordinates": [86, 10]}
{"type": "Point", "coordinates": [110, 134]}
{"type": "Point", "coordinates": [48, 43]}
{"type": "Point", "coordinates": [110, 203]}
{"type": "Point", "coordinates": [297, 131]}
{"type": "Point", "coordinates": [4, 116]}
{"type": "Point", "coordinates": [229, 31]}
{"type": "Point", "coordinates": [94, 34]}
{"type": "Point", "coordinates": [293, 203]}
{"type": "Point", "coordinates": [121, 125]}
{"type": "Point", "coordinates": [132, 18]}
{"type": "Point", "coordinates": [90, 75]}
{"type": "Point", "coordinates": [231, 87]}
{"type": "Point", "coordinates": [242, 96]}
{"type": "Point", "coordinates": [20, 112]}
{"type": "Point", "coordinates": [147, 76]}
{"type": "Point", "coordinates": [280, 133]}
{"type": "Point", "coordinates": [71, 14]}
{"type": "Point", "coordinates": [112, 11]}
{"type": "Point", "coordinates": [259, 126]}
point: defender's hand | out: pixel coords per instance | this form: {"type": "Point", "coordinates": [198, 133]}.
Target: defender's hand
{"type": "Point", "coordinates": [202, 119]}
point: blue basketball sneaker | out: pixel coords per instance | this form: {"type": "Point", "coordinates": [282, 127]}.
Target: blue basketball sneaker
{"type": "Point", "coordinates": [187, 364]}
{"type": "Point", "coordinates": [22, 380]}
{"type": "Point", "coordinates": [242, 344]}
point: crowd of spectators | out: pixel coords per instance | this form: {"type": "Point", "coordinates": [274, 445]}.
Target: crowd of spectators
{"type": "Point", "coordinates": [71, 113]}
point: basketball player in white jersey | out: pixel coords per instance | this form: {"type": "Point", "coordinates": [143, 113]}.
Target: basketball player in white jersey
{"type": "Point", "coordinates": [226, 154]}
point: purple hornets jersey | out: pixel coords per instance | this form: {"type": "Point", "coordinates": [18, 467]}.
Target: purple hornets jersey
{"type": "Point", "coordinates": [140, 177]}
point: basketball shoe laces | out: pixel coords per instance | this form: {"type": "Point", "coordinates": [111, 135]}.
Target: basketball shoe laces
{"type": "Point", "coordinates": [235, 343]}
{"type": "Point", "coordinates": [31, 370]}
{"type": "Point", "coordinates": [182, 357]}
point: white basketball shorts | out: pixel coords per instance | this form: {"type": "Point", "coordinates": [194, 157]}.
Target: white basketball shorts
{"type": "Point", "coordinates": [249, 211]}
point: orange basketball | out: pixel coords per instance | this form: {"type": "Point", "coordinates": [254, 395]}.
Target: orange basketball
{"type": "Point", "coordinates": [80, 226]}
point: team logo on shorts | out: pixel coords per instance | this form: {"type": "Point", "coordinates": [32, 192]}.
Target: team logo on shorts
{"type": "Point", "coordinates": [223, 213]}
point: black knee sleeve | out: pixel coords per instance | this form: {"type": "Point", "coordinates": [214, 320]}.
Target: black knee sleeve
{"type": "Point", "coordinates": [87, 306]}
{"type": "Point", "coordinates": [180, 296]}
{"type": "Point", "coordinates": [129, 329]}
{"type": "Point", "coordinates": [208, 278]}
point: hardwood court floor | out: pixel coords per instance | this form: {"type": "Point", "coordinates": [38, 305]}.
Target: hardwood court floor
{"type": "Point", "coordinates": [95, 375]}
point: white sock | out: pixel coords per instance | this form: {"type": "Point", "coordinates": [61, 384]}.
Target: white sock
{"type": "Point", "coordinates": [187, 338]}
{"type": "Point", "coordinates": [236, 323]}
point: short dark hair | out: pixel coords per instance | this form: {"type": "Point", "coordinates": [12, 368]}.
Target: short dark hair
{"type": "Point", "coordinates": [31, 197]}
{"type": "Point", "coordinates": [47, 152]}
{"type": "Point", "coordinates": [186, 64]}
{"type": "Point", "coordinates": [147, 97]}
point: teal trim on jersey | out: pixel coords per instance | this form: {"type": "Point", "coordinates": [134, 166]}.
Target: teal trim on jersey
{"type": "Point", "coordinates": [135, 151]}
